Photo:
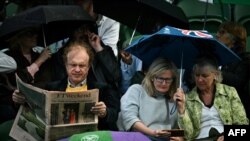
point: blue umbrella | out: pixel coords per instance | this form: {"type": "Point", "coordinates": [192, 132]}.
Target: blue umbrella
{"type": "Point", "coordinates": [181, 46]}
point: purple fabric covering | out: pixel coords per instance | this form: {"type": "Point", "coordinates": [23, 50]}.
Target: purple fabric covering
{"type": "Point", "coordinates": [128, 136]}
{"type": "Point", "coordinates": [124, 136]}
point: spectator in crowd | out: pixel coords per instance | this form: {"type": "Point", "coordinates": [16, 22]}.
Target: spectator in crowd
{"type": "Point", "coordinates": [32, 67]}
{"type": "Point", "coordinates": [108, 29]}
{"type": "Point", "coordinates": [129, 65]}
{"type": "Point", "coordinates": [149, 107]}
{"type": "Point", "coordinates": [84, 72]}
{"type": "Point", "coordinates": [234, 35]}
{"type": "Point", "coordinates": [7, 65]}
{"type": "Point", "coordinates": [110, 68]}
{"type": "Point", "coordinates": [210, 105]}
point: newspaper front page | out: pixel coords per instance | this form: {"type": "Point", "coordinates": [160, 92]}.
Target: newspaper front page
{"type": "Point", "coordinates": [52, 115]}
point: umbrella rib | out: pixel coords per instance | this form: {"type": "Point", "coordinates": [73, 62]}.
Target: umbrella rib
{"type": "Point", "coordinates": [44, 38]}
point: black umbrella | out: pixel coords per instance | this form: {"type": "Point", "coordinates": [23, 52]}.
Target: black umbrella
{"type": "Point", "coordinates": [146, 16]}
{"type": "Point", "coordinates": [56, 21]}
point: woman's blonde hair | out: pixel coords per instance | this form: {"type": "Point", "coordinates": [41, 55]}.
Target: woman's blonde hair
{"type": "Point", "coordinates": [156, 68]}
{"type": "Point", "coordinates": [211, 62]}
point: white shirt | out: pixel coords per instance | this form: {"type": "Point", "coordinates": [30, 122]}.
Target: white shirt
{"type": "Point", "coordinates": [108, 30]}
{"type": "Point", "coordinates": [210, 118]}
{"type": "Point", "coordinates": [7, 63]}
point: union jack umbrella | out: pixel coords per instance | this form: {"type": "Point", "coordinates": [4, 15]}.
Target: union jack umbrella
{"type": "Point", "coordinates": [181, 46]}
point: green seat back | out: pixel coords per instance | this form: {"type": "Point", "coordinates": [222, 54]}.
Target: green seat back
{"type": "Point", "coordinates": [195, 11]}
{"type": "Point", "coordinates": [248, 44]}
{"type": "Point", "coordinates": [242, 16]}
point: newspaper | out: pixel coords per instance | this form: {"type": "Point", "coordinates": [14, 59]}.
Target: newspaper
{"type": "Point", "coordinates": [53, 115]}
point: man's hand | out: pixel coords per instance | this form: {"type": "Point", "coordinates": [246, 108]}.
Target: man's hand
{"type": "Point", "coordinates": [95, 42]}
{"type": "Point", "coordinates": [100, 109]}
{"type": "Point", "coordinates": [18, 97]}
{"type": "Point", "coordinates": [126, 57]}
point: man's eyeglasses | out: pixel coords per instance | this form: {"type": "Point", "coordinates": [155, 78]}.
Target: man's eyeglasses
{"type": "Point", "coordinates": [161, 80]}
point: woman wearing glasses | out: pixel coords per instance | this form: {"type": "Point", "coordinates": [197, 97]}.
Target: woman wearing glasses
{"type": "Point", "coordinates": [149, 108]}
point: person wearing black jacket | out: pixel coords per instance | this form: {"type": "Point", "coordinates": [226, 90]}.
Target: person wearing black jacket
{"type": "Point", "coordinates": [234, 35]}
{"type": "Point", "coordinates": [102, 73]}
{"type": "Point", "coordinates": [110, 66]}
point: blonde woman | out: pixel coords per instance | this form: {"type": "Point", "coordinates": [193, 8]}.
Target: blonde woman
{"type": "Point", "coordinates": [210, 105]}
{"type": "Point", "coordinates": [149, 108]}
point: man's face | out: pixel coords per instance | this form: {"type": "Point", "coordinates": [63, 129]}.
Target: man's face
{"type": "Point", "coordinates": [77, 65]}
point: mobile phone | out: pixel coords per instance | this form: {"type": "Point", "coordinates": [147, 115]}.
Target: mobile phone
{"type": "Point", "coordinates": [176, 132]}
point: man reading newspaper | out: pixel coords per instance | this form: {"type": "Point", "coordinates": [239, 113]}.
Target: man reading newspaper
{"type": "Point", "coordinates": [43, 115]}
{"type": "Point", "coordinates": [78, 58]}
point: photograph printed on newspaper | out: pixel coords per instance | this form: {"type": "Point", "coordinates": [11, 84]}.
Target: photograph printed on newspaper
{"type": "Point", "coordinates": [52, 115]}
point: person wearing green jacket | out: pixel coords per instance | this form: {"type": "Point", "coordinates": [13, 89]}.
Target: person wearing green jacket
{"type": "Point", "coordinates": [204, 111]}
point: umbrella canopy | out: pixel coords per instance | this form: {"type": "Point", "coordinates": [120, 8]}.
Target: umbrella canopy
{"type": "Point", "coordinates": [57, 21]}
{"type": "Point", "coordinates": [180, 46]}
{"type": "Point", "coordinates": [144, 15]}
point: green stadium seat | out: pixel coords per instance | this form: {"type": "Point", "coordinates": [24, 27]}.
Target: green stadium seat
{"type": "Point", "coordinates": [242, 16]}
{"type": "Point", "coordinates": [195, 11]}
{"type": "Point", "coordinates": [11, 9]}
{"type": "Point", "coordinates": [248, 44]}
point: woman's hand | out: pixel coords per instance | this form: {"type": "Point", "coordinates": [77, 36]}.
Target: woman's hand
{"type": "Point", "coordinates": [100, 109]}
{"type": "Point", "coordinates": [46, 54]}
{"type": "Point", "coordinates": [179, 97]}
{"type": "Point", "coordinates": [18, 97]}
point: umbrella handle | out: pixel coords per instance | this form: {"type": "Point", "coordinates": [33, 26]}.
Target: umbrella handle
{"type": "Point", "coordinates": [181, 72]}
{"type": "Point", "coordinates": [44, 39]}
{"type": "Point", "coordinates": [180, 84]}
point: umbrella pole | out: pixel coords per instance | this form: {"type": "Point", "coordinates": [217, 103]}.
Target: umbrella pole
{"type": "Point", "coordinates": [181, 71]}
{"type": "Point", "coordinates": [44, 39]}
{"type": "Point", "coordinates": [133, 34]}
